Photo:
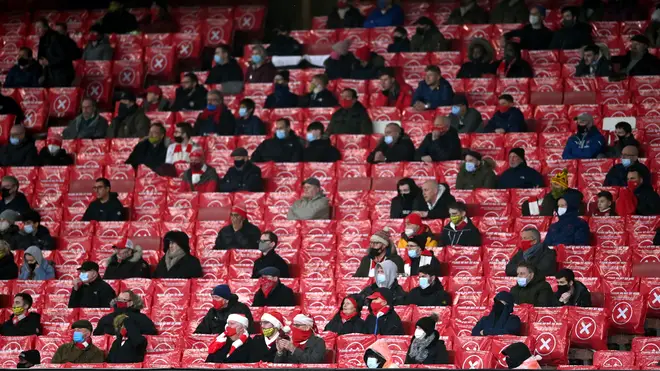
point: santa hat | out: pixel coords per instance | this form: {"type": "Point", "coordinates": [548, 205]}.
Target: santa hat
{"type": "Point", "coordinates": [305, 319]}
{"type": "Point", "coordinates": [55, 140]}
{"type": "Point", "coordinates": [363, 53]}
{"type": "Point", "coordinates": [240, 210]}
{"type": "Point", "coordinates": [197, 153]}
{"type": "Point", "coordinates": [274, 318]}
{"type": "Point", "coordinates": [239, 318]}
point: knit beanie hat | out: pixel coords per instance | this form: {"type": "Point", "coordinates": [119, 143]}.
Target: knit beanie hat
{"type": "Point", "coordinates": [382, 236]}
{"type": "Point", "coordinates": [561, 179]}
{"type": "Point", "coordinates": [520, 152]}
{"type": "Point", "coordinates": [222, 291]}
{"type": "Point", "coordinates": [427, 323]}
{"type": "Point", "coordinates": [10, 215]}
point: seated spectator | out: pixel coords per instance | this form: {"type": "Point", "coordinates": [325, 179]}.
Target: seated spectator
{"type": "Point", "coordinates": [272, 292]}
{"type": "Point", "coordinates": [98, 46]}
{"type": "Point", "coordinates": [426, 347]}
{"type": "Point", "coordinates": [319, 95]}
{"type": "Point", "coordinates": [35, 267]}
{"type": "Point", "coordinates": [587, 143]}
{"type": "Point", "coordinates": [595, 62]}
{"type": "Point", "coordinates": [20, 151]}
{"type": "Point", "coordinates": [177, 261]}
{"type": "Point", "coordinates": [407, 194]}
{"type": "Point", "coordinates": [88, 125]}
{"type": "Point", "coordinates": [305, 346]}
{"type": "Point", "coordinates": [427, 37]}
{"type": "Point", "coordinates": [513, 65]}
{"type": "Point", "coordinates": [159, 20]}
{"type": "Point", "coordinates": [647, 199]}
{"type": "Point", "coordinates": [531, 288]}
{"type": "Point", "coordinates": [460, 231]}
{"type": "Point", "coordinates": [476, 173]}
{"type": "Point", "coordinates": [367, 65]}
{"type": "Point", "coordinates": [226, 71]}
{"type": "Point", "coordinates": [127, 303]}
{"type": "Point", "coordinates": [442, 144]}
{"type": "Point", "coordinates": [25, 73]}
{"type": "Point", "coordinates": [617, 176]}
{"type": "Point", "coordinates": [500, 320]}
{"type": "Point", "coordinates": [382, 319]}
{"type": "Point", "coordinates": [183, 145]}
{"type": "Point", "coordinates": [392, 93]}
{"type": "Point", "coordinates": [481, 54]}
{"type": "Point", "coordinates": [263, 347]}
{"type": "Point", "coordinates": [239, 234]}
{"type": "Point", "coordinates": [570, 229]}
{"type": "Point", "coordinates": [507, 11]}
{"type": "Point", "coordinates": [216, 118]}
{"type": "Point", "coordinates": [468, 13]}
{"type": "Point", "coordinates": [532, 250]}
{"type": "Point", "coordinates": [9, 231]}
{"type": "Point", "coordinates": [414, 227]}
{"type": "Point", "coordinates": [313, 205]}
{"type": "Point", "coordinates": [345, 15]}
{"type": "Point", "coordinates": [624, 138]}
{"type": "Point", "coordinates": [387, 14]}
{"type": "Point", "coordinates": [8, 106]}
{"type": "Point", "coordinates": [22, 322]}
{"type": "Point", "coordinates": [130, 345]}
{"type": "Point", "coordinates": [269, 257]}
{"type": "Point", "coordinates": [118, 20]}
{"type": "Point", "coordinates": [400, 42]}
{"type": "Point", "coordinates": [534, 35]}
{"type": "Point", "coordinates": [507, 119]}
{"type": "Point", "coordinates": [436, 200]}
{"type": "Point", "coordinates": [80, 350]}
{"type": "Point", "coordinates": [261, 69]}
{"type": "Point", "coordinates": [130, 122]}
{"type": "Point", "coordinates": [430, 292]}
{"type": "Point", "coordinates": [127, 262]}
{"type": "Point", "coordinates": [381, 249]}
{"type": "Point", "coordinates": [548, 204]}
{"type": "Point", "coordinates": [604, 205]}
{"type": "Point", "coordinates": [106, 207]}
{"type": "Point", "coordinates": [247, 122]}
{"type": "Point", "coordinates": [244, 176]}
{"type": "Point", "coordinates": [432, 92]}
{"type": "Point", "coordinates": [12, 199]}
{"type": "Point", "coordinates": [224, 304]}
{"type": "Point", "coordinates": [53, 154]}
{"type": "Point", "coordinates": [347, 320]}
{"type": "Point", "coordinates": [319, 148]}
{"type": "Point", "coordinates": [351, 118]}
{"type": "Point", "coordinates": [573, 34]}
{"type": "Point", "coordinates": [285, 146]}
{"type": "Point", "coordinates": [519, 175]}
{"type": "Point", "coordinates": [34, 233]}
{"type": "Point", "coordinates": [89, 289]}
{"type": "Point", "coordinates": [418, 256]}
{"type": "Point", "coordinates": [152, 151]}
{"type": "Point", "coordinates": [28, 359]}
{"type": "Point", "coordinates": [571, 292]}
{"type": "Point", "coordinates": [282, 43]}
{"type": "Point", "coordinates": [394, 146]}
{"type": "Point", "coordinates": [378, 355]}
{"type": "Point", "coordinates": [341, 61]}
{"type": "Point", "coordinates": [638, 61]}
{"type": "Point", "coordinates": [386, 277]}
{"type": "Point", "coordinates": [233, 344]}
{"type": "Point", "coordinates": [463, 118]}
{"type": "Point", "coordinates": [190, 96]}
{"type": "Point", "coordinates": [199, 177]}
{"type": "Point", "coordinates": [518, 356]}
{"type": "Point", "coordinates": [154, 100]}
{"type": "Point", "coordinates": [8, 267]}
{"type": "Point", "coordinates": [281, 97]}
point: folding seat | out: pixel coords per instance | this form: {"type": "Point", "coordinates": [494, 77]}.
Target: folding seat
{"type": "Point", "coordinates": [64, 102]}
{"type": "Point", "coordinates": [591, 180]}
{"type": "Point", "coordinates": [36, 114]}
{"type": "Point", "coordinates": [554, 140]}
{"type": "Point", "coordinates": [162, 360]}
{"type": "Point", "coordinates": [628, 312]}
{"type": "Point", "coordinates": [522, 140]}
{"type": "Point", "coordinates": [93, 315]}
{"type": "Point", "coordinates": [637, 224]}
{"type": "Point", "coordinates": [128, 73]}
{"type": "Point", "coordinates": [575, 253]}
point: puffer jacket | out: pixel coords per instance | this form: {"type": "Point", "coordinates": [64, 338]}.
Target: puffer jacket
{"type": "Point", "coordinates": [313, 209]}
{"type": "Point", "coordinates": [483, 177]}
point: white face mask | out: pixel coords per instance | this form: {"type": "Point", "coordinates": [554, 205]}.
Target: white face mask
{"type": "Point", "coordinates": [53, 148]}
{"type": "Point", "coordinates": [4, 225]}
{"type": "Point", "coordinates": [409, 232]}
{"type": "Point", "coordinates": [419, 333]}
{"type": "Point", "coordinates": [372, 362]}
{"type": "Point", "coordinates": [561, 211]}
{"type": "Point", "coordinates": [534, 19]}
{"type": "Point", "coordinates": [656, 15]}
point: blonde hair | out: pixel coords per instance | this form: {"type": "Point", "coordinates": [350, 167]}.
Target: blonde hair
{"type": "Point", "coordinates": [4, 247]}
{"type": "Point", "coordinates": [118, 322]}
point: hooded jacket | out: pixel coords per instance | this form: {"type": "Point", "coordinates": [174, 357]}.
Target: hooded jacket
{"type": "Point", "coordinates": [79, 128]}
{"type": "Point", "coordinates": [312, 352]}
{"type": "Point", "coordinates": [239, 355]}
{"type": "Point", "coordinates": [648, 200]}
{"type": "Point", "coordinates": [280, 296]}
{"type": "Point", "coordinates": [469, 235]}
{"type": "Point", "coordinates": [186, 267]}
{"type": "Point", "coordinates": [192, 100]}
{"type": "Point", "coordinates": [22, 154]}
{"type": "Point", "coordinates": [354, 325]}
{"type": "Point", "coordinates": [208, 181]}
{"type": "Point", "coordinates": [133, 267]}
{"type": "Point", "coordinates": [366, 262]}
{"type": "Point", "coordinates": [476, 69]}
{"type": "Point", "coordinates": [544, 259]}
{"type": "Point", "coordinates": [537, 292]}
{"type": "Point", "coordinates": [148, 155]}
{"type": "Point", "coordinates": [439, 210]}
{"type": "Point", "coordinates": [8, 267]}
{"type": "Point", "coordinates": [584, 146]}
{"type": "Point", "coordinates": [102, 51]}
{"type": "Point", "coordinates": [317, 208]}
{"type": "Point", "coordinates": [247, 179]}
{"type": "Point", "coordinates": [271, 259]}
{"type": "Point", "coordinates": [385, 324]}
{"type": "Point", "coordinates": [354, 120]}
{"type": "Point", "coordinates": [436, 352]}
{"type": "Point", "coordinates": [289, 149]}
{"type": "Point", "coordinates": [500, 320]}
{"type": "Point", "coordinates": [512, 121]}
{"type": "Point", "coordinates": [134, 125]}
{"type": "Point", "coordinates": [208, 126]}
{"type": "Point", "coordinates": [431, 41]}
{"type": "Point", "coordinates": [581, 296]}
{"type": "Point", "coordinates": [521, 176]}
{"type": "Point", "coordinates": [570, 229]}
{"type": "Point", "coordinates": [42, 239]}
{"type": "Point", "coordinates": [129, 350]}
{"type": "Point", "coordinates": [445, 148]}
{"type": "Point", "coordinates": [320, 150]}
{"type": "Point", "coordinates": [400, 151]}
{"type": "Point", "coordinates": [549, 203]}
{"type": "Point", "coordinates": [59, 158]}
{"type": "Point", "coordinates": [402, 205]}
{"type": "Point", "coordinates": [143, 323]}
{"type": "Point", "coordinates": [381, 352]}
{"type": "Point", "coordinates": [432, 296]}
{"type": "Point", "coordinates": [110, 211]}
{"type": "Point", "coordinates": [30, 325]}
{"type": "Point", "coordinates": [44, 269]}
{"type": "Point", "coordinates": [483, 177]}
{"type": "Point", "coordinates": [391, 283]}
{"type": "Point", "coordinates": [215, 319]}
{"type": "Point", "coordinates": [96, 294]}
{"type": "Point", "coordinates": [245, 238]}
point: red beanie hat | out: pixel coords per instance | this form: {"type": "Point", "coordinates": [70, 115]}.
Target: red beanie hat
{"type": "Point", "coordinates": [363, 53]}
{"type": "Point", "coordinates": [240, 210]}
{"type": "Point", "coordinates": [414, 219]}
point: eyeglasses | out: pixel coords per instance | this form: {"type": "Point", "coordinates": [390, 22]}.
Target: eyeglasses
{"type": "Point", "coordinates": [264, 241]}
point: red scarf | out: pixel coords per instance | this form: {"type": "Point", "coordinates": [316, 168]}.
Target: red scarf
{"type": "Point", "coordinates": [461, 225]}
{"type": "Point", "coordinates": [179, 148]}
{"type": "Point", "coordinates": [84, 345]}
{"type": "Point", "coordinates": [16, 319]}
{"type": "Point", "coordinates": [266, 286]}
{"type": "Point", "coordinates": [152, 107]}
{"type": "Point", "coordinates": [347, 317]}
{"type": "Point", "coordinates": [221, 340]}
{"type": "Point", "coordinates": [298, 337]}
{"type": "Point", "coordinates": [503, 68]}
{"type": "Point", "coordinates": [214, 115]}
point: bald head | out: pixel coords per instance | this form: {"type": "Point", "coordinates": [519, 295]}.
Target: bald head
{"type": "Point", "coordinates": [393, 130]}
{"type": "Point", "coordinates": [630, 152]}
{"type": "Point", "coordinates": [430, 190]}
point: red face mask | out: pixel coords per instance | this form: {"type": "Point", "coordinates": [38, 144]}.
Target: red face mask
{"type": "Point", "coordinates": [196, 166]}
{"type": "Point", "coordinates": [218, 304]}
{"type": "Point", "coordinates": [502, 108]}
{"type": "Point", "coordinates": [230, 331]}
{"type": "Point", "coordinates": [123, 332]}
{"type": "Point", "coordinates": [633, 184]}
{"type": "Point", "coordinates": [341, 4]}
{"type": "Point", "coordinates": [122, 304]}
{"type": "Point", "coordinates": [526, 244]}
{"type": "Point", "coordinates": [298, 335]}
{"type": "Point", "coordinates": [376, 306]}
{"type": "Point", "coordinates": [346, 103]}
{"type": "Point", "coordinates": [93, 37]}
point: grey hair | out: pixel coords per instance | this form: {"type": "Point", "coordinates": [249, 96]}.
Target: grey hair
{"type": "Point", "coordinates": [138, 303]}
{"type": "Point", "coordinates": [535, 233]}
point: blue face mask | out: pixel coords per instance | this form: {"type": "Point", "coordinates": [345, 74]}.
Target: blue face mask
{"type": "Point", "coordinates": [14, 141]}
{"type": "Point", "coordinates": [372, 362]}
{"type": "Point", "coordinates": [242, 111]}
{"type": "Point", "coordinates": [256, 59]}
{"type": "Point", "coordinates": [424, 282]}
{"type": "Point", "coordinates": [522, 281]}
{"type": "Point", "coordinates": [217, 59]}
{"type": "Point", "coordinates": [78, 337]}
{"type": "Point", "coordinates": [28, 228]}
{"type": "Point", "coordinates": [310, 137]}
{"type": "Point", "coordinates": [626, 162]}
{"type": "Point", "coordinates": [412, 254]}
{"type": "Point", "coordinates": [380, 278]}
{"type": "Point", "coordinates": [84, 276]}
{"type": "Point", "coordinates": [470, 167]}
{"type": "Point", "coordinates": [388, 139]}
{"type": "Point", "coordinates": [211, 107]}
{"type": "Point", "coordinates": [280, 134]}
{"type": "Point", "coordinates": [455, 110]}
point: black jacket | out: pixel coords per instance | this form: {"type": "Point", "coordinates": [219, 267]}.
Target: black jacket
{"type": "Point", "coordinates": [271, 259]}
{"type": "Point", "coordinates": [239, 355]}
{"type": "Point", "coordinates": [324, 99]}
{"type": "Point", "coordinates": [111, 211]}
{"type": "Point", "coordinates": [27, 77]}
{"type": "Point", "coordinates": [247, 179]}
{"type": "Point", "coordinates": [521, 176]}
{"type": "Point", "coordinates": [134, 267]}
{"type": "Point", "coordinates": [537, 292]}
{"type": "Point", "coordinates": [280, 296]}
{"type": "Point", "coordinates": [221, 73]}
{"type": "Point", "coordinates": [354, 120]}
{"type": "Point", "coordinates": [388, 324]}
{"type": "Point", "coordinates": [188, 267]}
{"type": "Point", "coordinates": [648, 65]}
{"type": "Point", "coordinates": [352, 19]}
{"type": "Point", "coordinates": [19, 204]}
{"type": "Point", "coordinates": [245, 238]}
{"type": "Point", "coordinates": [445, 148]}
{"type": "Point", "coordinates": [467, 236]}
{"type": "Point", "coordinates": [133, 349]}
{"type": "Point", "coordinates": [8, 106]}
{"type": "Point", "coordinates": [441, 209]}
{"type": "Point", "coordinates": [398, 294]}
{"type": "Point", "coordinates": [96, 294]}
{"type": "Point", "coordinates": [545, 262]}
{"type": "Point", "coordinates": [143, 323]}
{"type": "Point", "coordinates": [549, 204]}
{"type": "Point", "coordinates": [321, 150]}
{"type": "Point", "coordinates": [581, 296]}
{"type": "Point", "coordinates": [437, 353]}
{"type": "Point", "coordinates": [473, 70]}
{"type": "Point", "coordinates": [121, 22]}
{"type": "Point", "coordinates": [60, 53]}
{"type": "Point", "coordinates": [259, 352]}
{"type": "Point", "coordinates": [215, 319]}
{"type": "Point", "coordinates": [494, 324]}
{"type": "Point", "coordinates": [401, 150]}
{"type": "Point", "coordinates": [208, 126]}
{"type": "Point", "coordinates": [281, 99]}
{"type": "Point", "coordinates": [617, 176]}
{"type": "Point", "coordinates": [355, 325]}
{"type": "Point", "coordinates": [402, 46]}
{"type": "Point", "coordinates": [400, 207]}
{"type": "Point", "coordinates": [285, 46]}
{"type": "Point", "coordinates": [12, 236]}
{"type": "Point", "coordinates": [289, 149]}
{"type": "Point", "coordinates": [518, 69]}
{"type": "Point", "coordinates": [42, 239]}
{"type": "Point", "coordinates": [572, 37]}
{"type": "Point", "coordinates": [249, 126]}
{"type": "Point", "coordinates": [60, 158]}
{"type": "Point", "coordinates": [603, 69]}
{"type": "Point", "coordinates": [30, 325]}
{"type": "Point", "coordinates": [531, 38]}
{"type": "Point", "coordinates": [194, 100]}
{"type": "Point", "coordinates": [340, 68]}
{"type": "Point", "coordinates": [147, 154]}
{"type": "Point", "coordinates": [432, 296]}
{"type": "Point", "coordinates": [8, 268]}
{"type": "Point", "coordinates": [648, 200]}
{"type": "Point", "coordinates": [22, 154]}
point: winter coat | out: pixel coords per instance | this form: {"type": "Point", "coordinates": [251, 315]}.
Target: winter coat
{"type": "Point", "coordinates": [259, 351]}
{"type": "Point", "coordinates": [22, 154]}
{"type": "Point", "coordinates": [133, 267]}
{"type": "Point", "coordinates": [289, 149]}
{"type": "Point", "coordinates": [149, 155]}
{"type": "Point", "coordinates": [111, 211]}
{"type": "Point", "coordinates": [445, 148]}
{"type": "Point", "coordinates": [119, 22]}
{"type": "Point", "coordinates": [532, 38]}
{"type": "Point", "coordinates": [143, 323]}
{"type": "Point", "coordinates": [476, 15]}
{"type": "Point", "coordinates": [239, 355]}
{"type": "Point", "coordinates": [19, 204]}
{"type": "Point", "coordinates": [476, 69]}
{"type": "Point", "coordinates": [648, 201]}
{"type": "Point", "coordinates": [130, 350]}
{"type": "Point", "coordinates": [321, 150]}
{"type": "Point", "coordinates": [512, 121]}
{"type": "Point", "coordinates": [569, 230]}
{"type": "Point", "coordinates": [162, 105]}
{"type": "Point", "coordinates": [431, 41]}
{"type": "Point", "coordinates": [285, 46]}
{"type": "Point", "coordinates": [368, 72]}
{"type": "Point", "coordinates": [312, 352]}
{"type": "Point", "coordinates": [441, 208]}
{"type": "Point", "coordinates": [324, 99]}
{"type": "Point", "coordinates": [397, 291]}
{"type": "Point", "coordinates": [437, 352]}
{"type": "Point", "coordinates": [60, 51]}
{"type": "Point", "coordinates": [504, 12]}
{"type": "Point", "coordinates": [352, 19]}
{"type": "Point", "coordinates": [11, 236]}
{"type": "Point", "coordinates": [282, 97]}
{"type": "Point", "coordinates": [215, 319]}
{"type": "Point", "coordinates": [70, 353]}
{"type": "Point", "coordinates": [549, 203]}
{"type": "Point", "coordinates": [617, 176]}
{"type": "Point", "coordinates": [245, 238]}
{"type": "Point", "coordinates": [399, 96]}
{"type": "Point", "coordinates": [340, 68]}
{"type": "Point", "coordinates": [354, 325]}
{"type": "Point", "coordinates": [581, 296]}
{"type": "Point", "coordinates": [573, 37]}
{"type": "Point", "coordinates": [402, 150]}
{"type": "Point", "coordinates": [187, 267]}
{"type": "Point", "coordinates": [27, 77]}
{"type": "Point", "coordinates": [392, 17]}
{"type": "Point", "coordinates": [102, 51]}
{"type": "Point", "coordinates": [280, 296]}
{"type": "Point", "coordinates": [482, 177]}
{"type": "Point", "coordinates": [615, 150]}
{"type": "Point", "coordinates": [79, 128]}
{"type": "Point", "coordinates": [402, 207]}
{"type": "Point", "coordinates": [60, 158]}
{"type": "Point", "coordinates": [648, 65]}
{"type": "Point", "coordinates": [96, 294]}
{"type": "Point", "coordinates": [42, 272]}
{"type": "Point", "coordinates": [262, 74]}
{"type": "Point", "coordinates": [521, 176]}
{"type": "Point", "coordinates": [434, 98]}
{"type": "Point", "coordinates": [365, 263]}
{"type": "Point", "coordinates": [603, 68]}
{"type": "Point", "coordinates": [271, 259]}
{"type": "Point", "coordinates": [8, 268]}
{"type": "Point", "coordinates": [537, 292]}
{"type": "Point", "coordinates": [432, 296]}
{"type": "Point", "coordinates": [545, 261]}
{"type": "Point", "coordinates": [387, 324]}
{"type": "Point", "coordinates": [247, 179]}
{"type": "Point", "coordinates": [400, 46]}
{"type": "Point", "coordinates": [208, 126]}
{"type": "Point", "coordinates": [506, 323]}
{"type": "Point", "coordinates": [41, 239]}
{"type": "Point", "coordinates": [8, 106]}
{"type": "Point", "coordinates": [469, 235]}
{"type": "Point", "coordinates": [222, 73]}
{"type": "Point", "coordinates": [249, 126]}
{"type": "Point", "coordinates": [354, 120]}
{"type": "Point", "coordinates": [135, 125]}
{"type": "Point", "coordinates": [30, 325]}
{"type": "Point", "coordinates": [208, 181]}
{"type": "Point", "coordinates": [310, 209]}
{"type": "Point", "coordinates": [193, 100]}
{"type": "Point", "coordinates": [470, 123]}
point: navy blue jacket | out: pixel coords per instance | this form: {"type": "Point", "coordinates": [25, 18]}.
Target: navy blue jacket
{"type": "Point", "coordinates": [521, 176]}
{"type": "Point", "coordinates": [24, 78]}
{"type": "Point", "coordinates": [512, 121]}
{"type": "Point", "coordinates": [392, 17]}
{"type": "Point", "coordinates": [506, 324]}
{"type": "Point", "coordinates": [585, 146]}
{"type": "Point", "coordinates": [282, 97]}
{"type": "Point", "coordinates": [249, 126]}
{"type": "Point", "coordinates": [442, 96]}
{"type": "Point", "coordinates": [569, 229]}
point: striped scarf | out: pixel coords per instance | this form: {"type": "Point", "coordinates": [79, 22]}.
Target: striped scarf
{"type": "Point", "coordinates": [221, 340]}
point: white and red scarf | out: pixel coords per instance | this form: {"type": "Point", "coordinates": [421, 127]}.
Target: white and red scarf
{"type": "Point", "coordinates": [17, 319]}
{"type": "Point", "coordinates": [270, 342]}
{"type": "Point", "coordinates": [221, 340]}
{"type": "Point", "coordinates": [424, 259]}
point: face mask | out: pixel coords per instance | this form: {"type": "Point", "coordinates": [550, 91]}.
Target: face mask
{"type": "Point", "coordinates": [4, 225]}
{"type": "Point", "coordinates": [419, 333]}
{"type": "Point", "coordinates": [154, 140]}
{"type": "Point", "coordinates": [268, 332]}
{"type": "Point", "coordinates": [53, 148]}
{"type": "Point", "coordinates": [123, 332]}
{"type": "Point", "coordinates": [217, 59]}
{"type": "Point", "coordinates": [397, 39]}
{"type": "Point", "coordinates": [242, 111]}
{"type": "Point", "coordinates": [264, 246]}
{"type": "Point", "coordinates": [412, 254]}
{"type": "Point", "coordinates": [346, 103]}
{"type": "Point", "coordinates": [93, 37]}
{"type": "Point", "coordinates": [121, 304]}
{"type": "Point", "coordinates": [230, 331]}
{"type": "Point", "coordinates": [18, 310]}
{"type": "Point", "coordinates": [409, 232]}
{"type": "Point", "coordinates": [280, 134]}
{"type": "Point", "coordinates": [256, 59]}
{"type": "Point", "coordinates": [23, 62]}
{"type": "Point", "coordinates": [534, 19]}
{"type": "Point", "coordinates": [388, 139]}
{"type": "Point", "coordinates": [14, 141]}
{"type": "Point", "coordinates": [211, 107]}
{"type": "Point", "coordinates": [218, 304]}
{"type": "Point", "coordinates": [626, 162]}
{"type": "Point", "coordinates": [455, 110]}
{"type": "Point", "coordinates": [78, 337]}
{"type": "Point", "coordinates": [380, 278]}
{"type": "Point", "coordinates": [376, 307]}
{"type": "Point", "coordinates": [502, 108]}
{"type": "Point", "coordinates": [561, 211]}
{"type": "Point", "coordinates": [281, 88]}
{"type": "Point", "coordinates": [84, 276]}
{"type": "Point", "coordinates": [522, 281]}
{"type": "Point", "coordinates": [470, 167]}
{"type": "Point", "coordinates": [298, 335]}
{"type": "Point", "coordinates": [562, 289]}
{"type": "Point", "coordinates": [581, 129]}
{"type": "Point", "coordinates": [633, 184]}
{"type": "Point", "coordinates": [28, 228]}
{"type": "Point", "coordinates": [178, 140]}
{"type": "Point", "coordinates": [196, 166]}
{"type": "Point", "coordinates": [22, 365]}
{"type": "Point", "coordinates": [372, 362]}
{"type": "Point", "coordinates": [374, 252]}
{"type": "Point", "coordinates": [424, 282]}
{"type": "Point", "coordinates": [310, 137]}
{"type": "Point", "coordinates": [567, 23]}
{"type": "Point", "coordinates": [32, 266]}
{"type": "Point", "coordinates": [456, 219]}
{"type": "Point", "coordinates": [526, 244]}
{"type": "Point", "coordinates": [239, 163]}
{"type": "Point", "coordinates": [5, 192]}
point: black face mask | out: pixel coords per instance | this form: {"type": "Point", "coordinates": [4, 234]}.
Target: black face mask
{"type": "Point", "coordinates": [239, 163]}
{"type": "Point", "coordinates": [561, 289]}
{"type": "Point", "coordinates": [23, 62]}
{"type": "Point", "coordinates": [178, 139]}
{"type": "Point", "coordinates": [373, 252]}
{"type": "Point", "coordinates": [398, 39]}
{"type": "Point", "coordinates": [5, 192]}
{"type": "Point", "coordinates": [32, 266]}
{"type": "Point", "coordinates": [581, 129]}
{"type": "Point", "coordinates": [125, 110]}
{"type": "Point", "coordinates": [498, 308]}
{"type": "Point", "coordinates": [421, 30]}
